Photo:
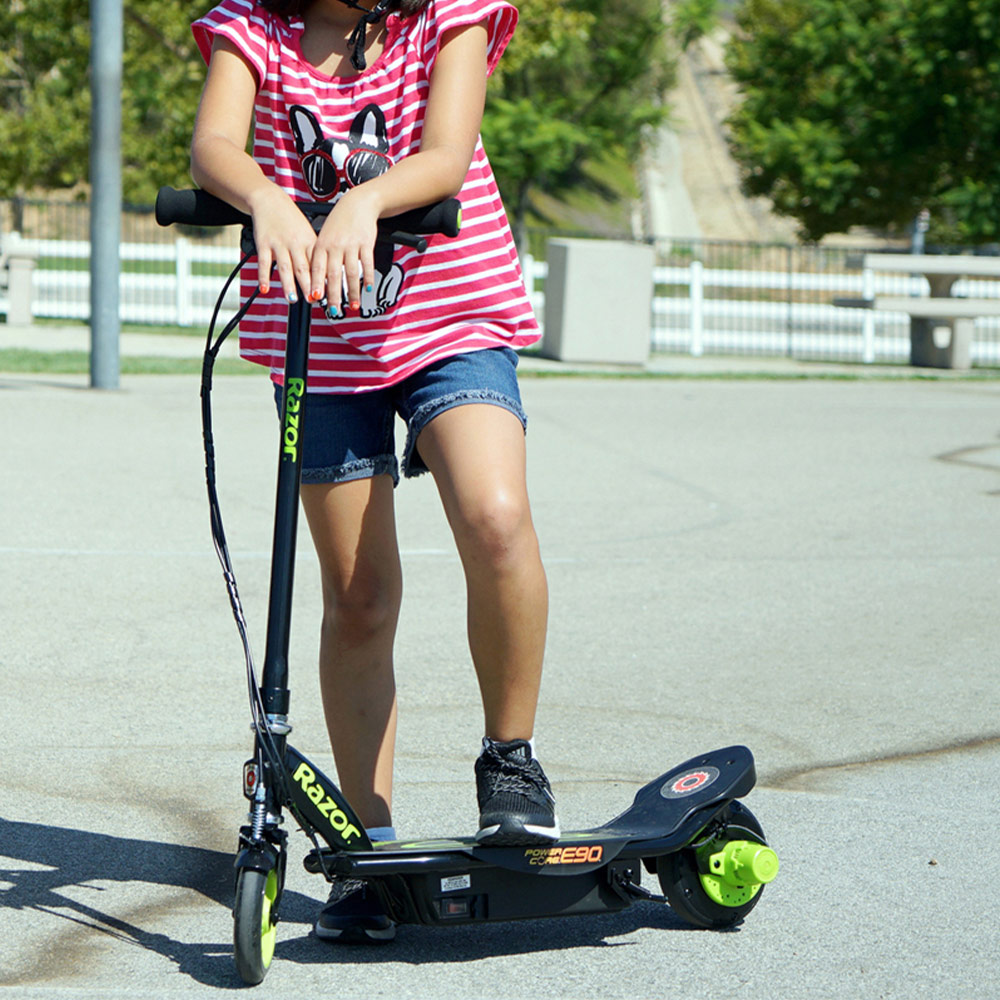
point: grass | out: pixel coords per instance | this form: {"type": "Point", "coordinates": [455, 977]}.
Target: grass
{"type": "Point", "coordinates": [199, 269]}
{"type": "Point", "coordinates": [903, 374]}
{"type": "Point", "coordinates": [18, 361]}
{"type": "Point", "coordinates": [173, 331]}
{"type": "Point", "coordinates": [23, 361]}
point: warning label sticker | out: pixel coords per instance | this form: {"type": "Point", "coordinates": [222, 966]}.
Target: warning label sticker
{"type": "Point", "coordinates": [454, 883]}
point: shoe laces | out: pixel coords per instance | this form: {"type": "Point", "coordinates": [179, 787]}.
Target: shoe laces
{"type": "Point", "coordinates": [342, 887]}
{"type": "Point", "coordinates": [515, 774]}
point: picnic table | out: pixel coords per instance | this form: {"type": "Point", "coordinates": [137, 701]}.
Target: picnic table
{"type": "Point", "coordinates": [940, 310]}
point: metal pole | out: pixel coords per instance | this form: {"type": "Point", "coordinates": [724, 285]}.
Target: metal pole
{"type": "Point", "coordinates": [696, 290]}
{"type": "Point", "coordinates": [790, 320]}
{"type": "Point", "coordinates": [920, 226]}
{"type": "Point", "coordinates": [106, 30]}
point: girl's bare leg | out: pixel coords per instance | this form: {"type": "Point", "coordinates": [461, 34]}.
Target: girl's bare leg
{"type": "Point", "coordinates": [477, 455]}
{"type": "Point", "coordinates": [353, 528]}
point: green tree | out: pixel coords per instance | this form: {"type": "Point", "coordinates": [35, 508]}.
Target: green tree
{"type": "Point", "coordinates": [164, 74]}
{"type": "Point", "coordinates": [45, 95]}
{"type": "Point", "coordinates": [690, 19]}
{"type": "Point", "coordinates": [580, 84]}
{"type": "Point", "coordinates": [864, 112]}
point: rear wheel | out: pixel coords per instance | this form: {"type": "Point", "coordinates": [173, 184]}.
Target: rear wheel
{"type": "Point", "coordinates": [255, 923]}
{"type": "Point", "coordinates": [717, 881]}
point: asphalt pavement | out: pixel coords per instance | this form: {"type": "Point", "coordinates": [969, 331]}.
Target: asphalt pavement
{"type": "Point", "coordinates": [806, 566]}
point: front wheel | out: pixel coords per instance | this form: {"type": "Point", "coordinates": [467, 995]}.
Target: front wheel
{"type": "Point", "coordinates": [255, 923]}
{"type": "Point", "coordinates": [717, 882]}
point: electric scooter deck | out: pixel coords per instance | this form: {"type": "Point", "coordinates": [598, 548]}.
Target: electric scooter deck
{"type": "Point", "coordinates": [665, 815]}
{"type": "Point", "coordinates": [458, 880]}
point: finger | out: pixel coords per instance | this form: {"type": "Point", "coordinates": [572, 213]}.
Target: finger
{"type": "Point", "coordinates": [353, 290]}
{"type": "Point", "coordinates": [303, 271]}
{"type": "Point", "coordinates": [286, 275]}
{"type": "Point", "coordinates": [264, 263]}
{"type": "Point", "coordinates": [317, 275]}
{"type": "Point", "coordinates": [334, 285]}
{"type": "Point", "coordinates": [368, 269]}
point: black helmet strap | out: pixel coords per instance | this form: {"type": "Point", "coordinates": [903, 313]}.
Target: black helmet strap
{"type": "Point", "coordinates": [359, 37]}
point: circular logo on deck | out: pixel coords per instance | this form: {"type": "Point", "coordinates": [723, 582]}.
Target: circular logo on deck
{"type": "Point", "coordinates": [689, 782]}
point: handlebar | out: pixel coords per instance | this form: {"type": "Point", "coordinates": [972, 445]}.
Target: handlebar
{"type": "Point", "coordinates": [193, 207]}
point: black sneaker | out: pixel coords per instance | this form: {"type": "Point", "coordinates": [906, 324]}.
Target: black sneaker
{"type": "Point", "coordinates": [354, 915]}
{"type": "Point", "coordinates": [515, 802]}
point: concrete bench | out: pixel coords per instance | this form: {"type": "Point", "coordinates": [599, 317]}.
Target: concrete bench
{"type": "Point", "coordinates": [940, 310]}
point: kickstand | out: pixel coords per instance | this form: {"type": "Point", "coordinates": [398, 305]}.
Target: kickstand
{"type": "Point", "coordinates": [637, 892]}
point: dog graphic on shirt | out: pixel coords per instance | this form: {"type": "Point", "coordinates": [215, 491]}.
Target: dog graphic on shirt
{"type": "Point", "coordinates": [331, 166]}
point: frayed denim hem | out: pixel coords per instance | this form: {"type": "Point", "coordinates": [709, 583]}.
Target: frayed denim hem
{"type": "Point", "coordinates": [364, 468]}
{"type": "Point", "coordinates": [413, 464]}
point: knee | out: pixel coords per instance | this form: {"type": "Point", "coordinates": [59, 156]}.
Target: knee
{"type": "Point", "coordinates": [498, 532]}
{"type": "Point", "coordinates": [362, 607]}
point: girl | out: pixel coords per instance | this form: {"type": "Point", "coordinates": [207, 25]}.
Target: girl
{"type": "Point", "coordinates": [378, 115]}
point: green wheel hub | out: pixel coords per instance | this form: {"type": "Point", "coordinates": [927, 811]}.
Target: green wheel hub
{"type": "Point", "coordinates": [735, 870]}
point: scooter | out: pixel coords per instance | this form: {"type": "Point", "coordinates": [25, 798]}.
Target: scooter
{"type": "Point", "coordinates": [687, 826]}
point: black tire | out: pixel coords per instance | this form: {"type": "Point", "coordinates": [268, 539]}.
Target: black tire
{"type": "Point", "coordinates": [255, 920]}
{"type": "Point", "coordinates": [680, 878]}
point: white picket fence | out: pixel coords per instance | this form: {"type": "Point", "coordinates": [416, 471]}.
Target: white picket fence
{"type": "Point", "coordinates": [177, 296]}
{"type": "Point", "coordinates": [762, 322]}
{"type": "Point", "coordinates": [771, 317]}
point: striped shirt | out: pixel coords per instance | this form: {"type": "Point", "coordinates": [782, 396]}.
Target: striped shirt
{"type": "Point", "coordinates": [316, 135]}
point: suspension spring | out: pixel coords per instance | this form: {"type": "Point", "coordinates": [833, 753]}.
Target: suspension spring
{"type": "Point", "coordinates": [258, 819]}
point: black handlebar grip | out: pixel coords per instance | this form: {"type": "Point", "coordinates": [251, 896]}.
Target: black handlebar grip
{"type": "Point", "coordinates": [196, 208]}
{"type": "Point", "coordinates": [444, 217]}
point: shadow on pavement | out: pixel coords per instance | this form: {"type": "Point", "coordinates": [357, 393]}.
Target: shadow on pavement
{"type": "Point", "coordinates": [76, 858]}
{"type": "Point", "coordinates": [69, 858]}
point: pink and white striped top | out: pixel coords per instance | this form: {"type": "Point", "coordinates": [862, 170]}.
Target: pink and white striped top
{"type": "Point", "coordinates": [317, 135]}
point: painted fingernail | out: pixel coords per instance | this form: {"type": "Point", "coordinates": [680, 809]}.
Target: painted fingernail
{"type": "Point", "coordinates": [355, 305]}
{"type": "Point", "coordinates": [292, 298]}
{"type": "Point", "coordinates": [331, 312]}
{"type": "Point", "coordinates": [264, 288]}
{"type": "Point", "coordinates": [368, 288]}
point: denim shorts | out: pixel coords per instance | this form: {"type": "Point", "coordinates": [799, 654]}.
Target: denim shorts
{"type": "Point", "coordinates": [351, 435]}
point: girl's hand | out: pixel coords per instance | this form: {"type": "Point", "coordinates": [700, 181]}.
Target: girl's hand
{"type": "Point", "coordinates": [343, 259]}
{"type": "Point", "coordinates": [285, 240]}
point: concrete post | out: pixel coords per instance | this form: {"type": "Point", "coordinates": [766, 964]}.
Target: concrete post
{"type": "Point", "coordinates": [20, 263]}
{"type": "Point", "coordinates": [960, 345]}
